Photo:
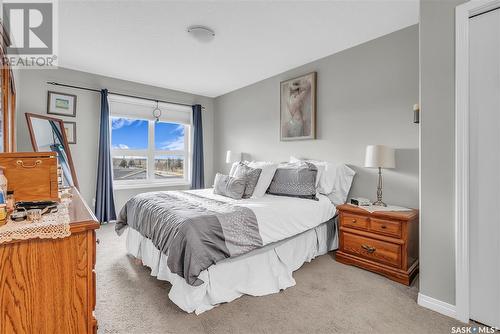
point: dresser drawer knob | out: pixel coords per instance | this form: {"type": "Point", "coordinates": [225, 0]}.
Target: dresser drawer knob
{"type": "Point", "coordinates": [354, 221]}
{"type": "Point", "coordinates": [21, 163]}
{"type": "Point", "coordinates": [369, 249]}
{"type": "Point", "coordinates": [383, 226]}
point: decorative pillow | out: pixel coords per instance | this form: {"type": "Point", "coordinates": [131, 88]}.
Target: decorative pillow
{"type": "Point", "coordinates": [250, 174]}
{"type": "Point", "coordinates": [229, 186]}
{"type": "Point", "coordinates": [295, 180]}
{"type": "Point", "coordinates": [342, 184]}
{"type": "Point", "coordinates": [326, 174]}
{"type": "Point", "coordinates": [266, 176]}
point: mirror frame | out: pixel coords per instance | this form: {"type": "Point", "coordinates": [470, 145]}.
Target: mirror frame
{"type": "Point", "coordinates": [29, 116]}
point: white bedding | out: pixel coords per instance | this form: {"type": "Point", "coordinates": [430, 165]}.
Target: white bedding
{"type": "Point", "coordinates": [261, 272]}
{"type": "Point", "coordinates": [294, 231]}
{"type": "Point", "coordinates": [280, 217]}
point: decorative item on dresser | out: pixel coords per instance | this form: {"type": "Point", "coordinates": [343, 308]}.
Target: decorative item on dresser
{"type": "Point", "coordinates": [385, 242]}
{"type": "Point", "coordinates": [31, 175]}
{"type": "Point", "coordinates": [48, 285]}
{"type": "Point", "coordinates": [49, 134]}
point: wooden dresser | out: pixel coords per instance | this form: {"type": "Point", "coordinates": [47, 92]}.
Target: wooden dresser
{"type": "Point", "coordinates": [48, 285]}
{"type": "Point", "coordinates": [382, 242]}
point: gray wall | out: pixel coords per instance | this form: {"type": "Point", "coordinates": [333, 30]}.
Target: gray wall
{"type": "Point", "coordinates": [437, 143]}
{"type": "Point", "coordinates": [365, 96]}
{"type": "Point", "coordinates": [32, 97]}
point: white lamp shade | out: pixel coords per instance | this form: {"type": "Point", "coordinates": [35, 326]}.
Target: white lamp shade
{"type": "Point", "coordinates": [379, 156]}
{"type": "Point", "coordinates": [232, 157]}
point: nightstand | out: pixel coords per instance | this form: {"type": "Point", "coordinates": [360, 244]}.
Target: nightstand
{"type": "Point", "coordinates": [385, 242]}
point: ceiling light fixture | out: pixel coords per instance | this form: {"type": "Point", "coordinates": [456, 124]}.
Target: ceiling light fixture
{"type": "Point", "coordinates": [201, 33]}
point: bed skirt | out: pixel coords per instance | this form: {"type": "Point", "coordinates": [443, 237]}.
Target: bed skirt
{"type": "Point", "coordinates": [260, 272]}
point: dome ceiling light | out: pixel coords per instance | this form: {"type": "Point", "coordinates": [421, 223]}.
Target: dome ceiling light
{"type": "Point", "coordinates": [201, 33]}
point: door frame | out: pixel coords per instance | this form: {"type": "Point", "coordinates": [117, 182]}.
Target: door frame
{"type": "Point", "coordinates": [462, 14]}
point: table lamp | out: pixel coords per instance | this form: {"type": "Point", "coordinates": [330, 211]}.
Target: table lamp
{"type": "Point", "coordinates": [232, 157]}
{"type": "Point", "coordinates": [379, 156]}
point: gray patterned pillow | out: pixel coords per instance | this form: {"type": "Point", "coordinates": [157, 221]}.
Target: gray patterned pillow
{"type": "Point", "coordinates": [229, 186]}
{"type": "Point", "coordinates": [295, 180]}
{"type": "Point", "coordinates": [250, 174]}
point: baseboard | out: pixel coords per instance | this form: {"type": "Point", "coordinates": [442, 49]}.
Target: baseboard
{"type": "Point", "coordinates": [437, 306]}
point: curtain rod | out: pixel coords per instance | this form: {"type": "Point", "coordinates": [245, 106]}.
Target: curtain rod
{"type": "Point", "coordinates": [120, 94]}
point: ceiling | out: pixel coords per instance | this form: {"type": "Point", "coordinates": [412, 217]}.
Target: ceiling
{"type": "Point", "coordinates": [147, 42]}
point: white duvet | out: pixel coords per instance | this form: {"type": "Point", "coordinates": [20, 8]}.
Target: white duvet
{"type": "Point", "coordinates": [281, 217]}
{"type": "Point", "coordinates": [260, 272]}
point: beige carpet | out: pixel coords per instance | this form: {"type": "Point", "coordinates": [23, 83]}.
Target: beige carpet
{"type": "Point", "coordinates": [329, 298]}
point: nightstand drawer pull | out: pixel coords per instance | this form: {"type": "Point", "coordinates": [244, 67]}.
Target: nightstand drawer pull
{"type": "Point", "coordinates": [354, 221]}
{"type": "Point", "coordinates": [369, 249]}
{"type": "Point", "coordinates": [383, 226]}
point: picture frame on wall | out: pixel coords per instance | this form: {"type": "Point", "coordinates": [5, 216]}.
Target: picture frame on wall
{"type": "Point", "coordinates": [298, 108]}
{"type": "Point", "coordinates": [70, 129]}
{"type": "Point", "coordinates": [61, 104]}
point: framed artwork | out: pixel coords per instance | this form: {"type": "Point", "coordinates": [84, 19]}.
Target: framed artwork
{"type": "Point", "coordinates": [61, 104]}
{"type": "Point", "coordinates": [70, 129]}
{"type": "Point", "coordinates": [298, 108]}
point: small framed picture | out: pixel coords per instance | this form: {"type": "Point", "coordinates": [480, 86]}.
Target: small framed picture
{"type": "Point", "coordinates": [61, 104]}
{"type": "Point", "coordinates": [70, 128]}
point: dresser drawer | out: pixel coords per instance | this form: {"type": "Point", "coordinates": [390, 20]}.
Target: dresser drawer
{"type": "Point", "coordinates": [387, 227]}
{"type": "Point", "coordinates": [354, 221]}
{"type": "Point", "coordinates": [376, 250]}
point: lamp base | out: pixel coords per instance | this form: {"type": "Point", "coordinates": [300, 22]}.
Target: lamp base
{"type": "Point", "coordinates": [379, 203]}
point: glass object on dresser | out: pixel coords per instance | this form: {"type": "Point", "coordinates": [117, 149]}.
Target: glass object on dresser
{"type": "Point", "coordinates": [48, 135]}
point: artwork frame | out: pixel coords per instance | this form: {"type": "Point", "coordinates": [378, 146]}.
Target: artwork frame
{"type": "Point", "coordinates": [304, 89]}
{"type": "Point", "coordinates": [61, 104]}
{"type": "Point", "coordinates": [70, 130]}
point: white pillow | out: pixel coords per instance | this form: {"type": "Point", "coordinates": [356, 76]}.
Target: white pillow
{"type": "Point", "coordinates": [265, 178]}
{"type": "Point", "coordinates": [342, 184]}
{"type": "Point", "coordinates": [233, 168]}
{"type": "Point", "coordinates": [325, 177]}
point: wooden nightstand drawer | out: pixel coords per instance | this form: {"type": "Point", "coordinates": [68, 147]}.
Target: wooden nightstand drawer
{"type": "Point", "coordinates": [377, 250]}
{"type": "Point", "coordinates": [354, 221]}
{"type": "Point", "coordinates": [387, 227]}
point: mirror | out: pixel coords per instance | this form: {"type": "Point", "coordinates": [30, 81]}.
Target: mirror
{"type": "Point", "coordinates": [47, 134]}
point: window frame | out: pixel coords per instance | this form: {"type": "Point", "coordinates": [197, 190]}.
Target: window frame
{"type": "Point", "coordinates": [150, 153]}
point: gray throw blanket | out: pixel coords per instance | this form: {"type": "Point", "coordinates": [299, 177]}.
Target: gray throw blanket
{"type": "Point", "coordinates": [193, 231]}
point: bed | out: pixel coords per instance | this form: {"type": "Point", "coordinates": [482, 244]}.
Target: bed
{"type": "Point", "coordinates": [291, 231]}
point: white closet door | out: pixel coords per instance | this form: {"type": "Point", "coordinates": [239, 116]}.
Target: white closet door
{"type": "Point", "coordinates": [484, 219]}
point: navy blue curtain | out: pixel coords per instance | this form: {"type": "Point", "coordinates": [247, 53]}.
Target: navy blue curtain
{"type": "Point", "coordinates": [197, 177]}
{"type": "Point", "coordinates": [104, 199]}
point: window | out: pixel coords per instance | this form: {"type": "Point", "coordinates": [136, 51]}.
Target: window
{"type": "Point", "coordinates": [146, 152]}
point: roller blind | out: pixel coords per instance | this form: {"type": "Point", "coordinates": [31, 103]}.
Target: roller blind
{"type": "Point", "coordinates": [143, 109]}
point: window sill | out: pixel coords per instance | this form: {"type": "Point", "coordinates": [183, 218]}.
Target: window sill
{"type": "Point", "coordinates": [124, 186]}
